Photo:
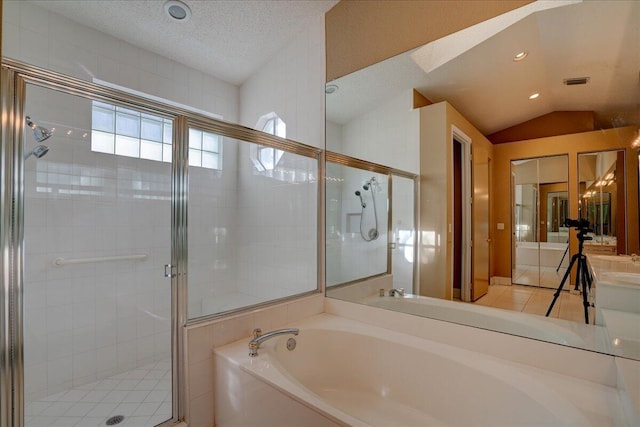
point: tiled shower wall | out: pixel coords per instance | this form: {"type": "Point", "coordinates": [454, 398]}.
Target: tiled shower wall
{"type": "Point", "coordinates": [349, 256]}
{"type": "Point", "coordinates": [87, 321]}
{"type": "Point", "coordinates": [33, 35]}
{"type": "Point", "coordinates": [83, 322]}
{"type": "Point", "coordinates": [277, 220]}
{"type": "Point", "coordinates": [213, 232]}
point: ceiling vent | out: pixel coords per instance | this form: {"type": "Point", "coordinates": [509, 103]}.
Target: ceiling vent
{"type": "Point", "coordinates": [576, 81]}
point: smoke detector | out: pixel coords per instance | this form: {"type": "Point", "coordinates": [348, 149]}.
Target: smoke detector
{"type": "Point", "coordinates": [177, 10]}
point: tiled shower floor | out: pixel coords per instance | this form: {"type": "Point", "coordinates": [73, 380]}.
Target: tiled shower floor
{"type": "Point", "coordinates": [142, 395]}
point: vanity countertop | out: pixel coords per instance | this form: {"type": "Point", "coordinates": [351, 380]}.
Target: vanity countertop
{"type": "Point", "coordinates": [617, 299]}
{"type": "Point", "coordinates": [615, 270]}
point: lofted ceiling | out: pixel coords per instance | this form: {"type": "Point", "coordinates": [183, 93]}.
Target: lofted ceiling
{"type": "Point", "coordinates": [595, 39]}
{"type": "Point", "coordinates": [229, 39]}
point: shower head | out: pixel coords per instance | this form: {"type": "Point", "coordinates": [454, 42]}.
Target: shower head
{"type": "Point", "coordinates": [39, 133]}
{"type": "Point", "coordinates": [369, 183]}
{"type": "Point", "coordinates": [39, 151]}
{"type": "Point", "coordinates": [364, 205]}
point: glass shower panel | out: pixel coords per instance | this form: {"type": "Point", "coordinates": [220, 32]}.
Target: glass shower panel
{"type": "Point", "coordinates": [356, 223]}
{"type": "Point", "coordinates": [252, 229]}
{"type": "Point", "coordinates": [403, 237]}
{"type": "Point", "coordinates": [97, 231]}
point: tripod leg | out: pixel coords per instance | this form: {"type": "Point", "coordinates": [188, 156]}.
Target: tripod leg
{"type": "Point", "coordinates": [563, 256]}
{"type": "Point", "coordinates": [578, 273]}
{"type": "Point", "coordinates": [585, 281]}
{"type": "Point", "coordinates": [564, 279]}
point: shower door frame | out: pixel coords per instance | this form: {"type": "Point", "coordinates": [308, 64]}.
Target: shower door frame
{"type": "Point", "coordinates": [15, 78]}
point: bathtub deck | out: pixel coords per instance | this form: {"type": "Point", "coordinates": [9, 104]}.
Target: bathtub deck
{"type": "Point", "coordinates": [557, 398]}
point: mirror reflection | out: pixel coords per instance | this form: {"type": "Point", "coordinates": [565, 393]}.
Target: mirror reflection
{"type": "Point", "coordinates": [403, 112]}
{"type": "Point", "coordinates": [356, 222]}
{"type": "Point", "coordinates": [540, 208]}
{"type": "Point", "coordinates": [601, 176]}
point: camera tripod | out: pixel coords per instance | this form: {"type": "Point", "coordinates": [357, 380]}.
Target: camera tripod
{"type": "Point", "coordinates": [582, 274]}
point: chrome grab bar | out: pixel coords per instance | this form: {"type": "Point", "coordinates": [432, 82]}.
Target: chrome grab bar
{"type": "Point", "coordinates": [62, 261]}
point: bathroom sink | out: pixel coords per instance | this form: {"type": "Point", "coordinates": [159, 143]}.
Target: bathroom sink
{"type": "Point", "coordinates": [621, 277]}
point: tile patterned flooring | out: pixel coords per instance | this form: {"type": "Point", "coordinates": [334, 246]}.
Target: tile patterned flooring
{"type": "Point", "coordinates": [529, 275]}
{"type": "Point", "coordinates": [142, 395]}
{"type": "Point", "coordinates": [535, 300]}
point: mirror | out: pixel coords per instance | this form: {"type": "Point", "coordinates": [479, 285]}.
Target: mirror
{"type": "Point", "coordinates": [601, 176]}
{"type": "Point", "coordinates": [370, 116]}
{"type": "Point", "coordinates": [356, 222]}
{"type": "Point", "coordinates": [370, 224]}
{"type": "Point", "coordinates": [540, 207]}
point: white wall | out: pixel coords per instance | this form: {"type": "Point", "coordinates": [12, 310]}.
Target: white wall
{"type": "Point", "coordinates": [86, 322]}
{"type": "Point", "coordinates": [433, 196]}
{"type": "Point", "coordinates": [291, 84]}
{"type": "Point", "coordinates": [389, 134]}
{"type": "Point", "coordinates": [34, 35]}
{"type": "Point", "coordinates": [277, 219]}
{"type": "Point", "coordinates": [334, 137]}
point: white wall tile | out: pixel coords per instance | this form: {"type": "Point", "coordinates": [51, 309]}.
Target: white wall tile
{"type": "Point", "coordinates": [81, 300]}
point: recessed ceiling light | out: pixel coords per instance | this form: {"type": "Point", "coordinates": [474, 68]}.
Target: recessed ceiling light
{"type": "Point", "coordinates": [177, 10]}
{"type": "Point", "coordinates": [520, 56]}
{"type": "Point", "coordinates": [329, 89]}
{"type": "Point", "coordinates": [534, 96]}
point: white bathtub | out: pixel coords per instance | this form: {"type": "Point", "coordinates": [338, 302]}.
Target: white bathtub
{"type": "Point", "coordinates": [343, 372]}
{"type": "Point", "coordinates": [550, 254]}
{"type": "Point", "coordinates": [511, 322]}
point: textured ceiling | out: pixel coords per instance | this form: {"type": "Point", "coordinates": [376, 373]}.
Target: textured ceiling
{"type": "Point", "coordinates": [596, 39]}
{"type": "Point", "coordinates": [226, 39]}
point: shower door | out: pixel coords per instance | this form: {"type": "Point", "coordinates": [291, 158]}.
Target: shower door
{"type": "Point", "coordinates": [97, 309]}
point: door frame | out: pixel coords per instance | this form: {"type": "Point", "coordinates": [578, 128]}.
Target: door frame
{"type": "Point", "coordinates": [467, 198]}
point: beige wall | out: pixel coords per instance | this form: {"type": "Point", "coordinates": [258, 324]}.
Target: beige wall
{"type": "Point", "coordinates": [571, 145]}
{"type": "Point", "coordinates": [361, 33]}
{"type": "Point", "coordinates": [436, 136]}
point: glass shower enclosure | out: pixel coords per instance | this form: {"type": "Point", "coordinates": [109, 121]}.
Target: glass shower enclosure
{"type": "Point", "coordinates": [95, 292]}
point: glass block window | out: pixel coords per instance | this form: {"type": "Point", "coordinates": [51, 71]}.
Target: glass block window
{"type": "Point", "coordinates": [126, 132]}
{"type": "Point", "coordinates": [205, 149]}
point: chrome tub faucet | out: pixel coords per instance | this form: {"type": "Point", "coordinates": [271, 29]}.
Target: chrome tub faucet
{"type": "Point", "coordinates": [259, 338]}
{"type": "Point", "coordinates": [394, 291]}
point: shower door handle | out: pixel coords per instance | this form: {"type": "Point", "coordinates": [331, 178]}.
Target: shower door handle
{"type": "Point", "coordinates": [168, 271]}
